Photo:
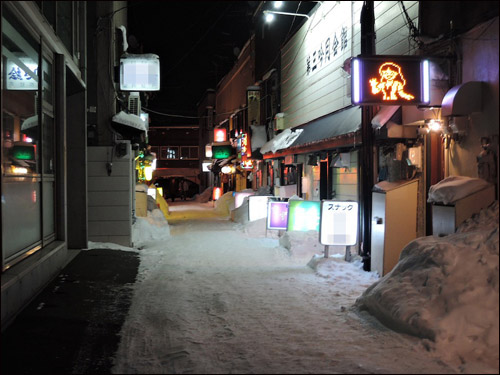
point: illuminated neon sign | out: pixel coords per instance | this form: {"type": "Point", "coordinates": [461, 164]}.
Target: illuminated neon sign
{"type": "Point", "coordinates": [247, 164]}
{"type": "Point", "coordinates": [339, 223]}
{"type": "Point", "coordinates": [222, 151]}
{"type": "Point", "coordinates": [277, 215]}
{"type": "Point", "coordinates": [246, 150]}
{"type": "Point", "coordinates": [257, 207]}
{"type": "Point", "coordinates": [390, 80]}
{"type": "Point", "coordinates": [220, 135]}
{"type": "Point", "coordinates": [303, 215]}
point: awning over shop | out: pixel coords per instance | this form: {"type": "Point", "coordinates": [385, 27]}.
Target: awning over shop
{"type": "Point", "coordinates": [338, 129]}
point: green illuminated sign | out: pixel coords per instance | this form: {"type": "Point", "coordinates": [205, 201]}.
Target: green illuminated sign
{"type": "Point", "coordinates": [303, 215]}
{"type": "Point", "coordinates": [23, 152]}
{"type": "Point", "coordinates": [222, 151]}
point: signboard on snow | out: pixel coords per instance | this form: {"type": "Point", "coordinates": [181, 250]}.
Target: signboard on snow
{"type": "Point", "coordinates": [257, 207]}
{"type": "Point", "coordinates": [277, 215]}
{"type": "Point", "coordinates": [339, 223]}
{"type": "Point", "coordinates": [303, 216]}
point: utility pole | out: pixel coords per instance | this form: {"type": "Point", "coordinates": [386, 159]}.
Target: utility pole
{"type": "Point", "coordinates": [366, 167]}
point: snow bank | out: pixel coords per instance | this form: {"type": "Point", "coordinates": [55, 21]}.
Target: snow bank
{"type": "Point", "coordinates": [154, 227]}
{"type": "Point", "coordinates": [204, 197]}
{"type": "Point", "coordinates": [445, 289]}
{"type": "Point", "coordinates": [334, 267]}
{"type": "Point", "coordinates": [108, 245]}
{"type": "Point", "coordinates": [454, 188]}
{"type": "Point", "coordinates": [225, 204]}
{"type": "Point", "coordinates": [302, 245]}
{"type": "Point", "coordinates": [240, 214]}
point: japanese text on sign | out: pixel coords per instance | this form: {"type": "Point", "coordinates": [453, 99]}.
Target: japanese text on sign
{"type": "Point", "coordinates": [18, 79]}
{"type": "Point", "coordinates": [327, 51]}
{"type": "Point", "coordinates": [339, 223]}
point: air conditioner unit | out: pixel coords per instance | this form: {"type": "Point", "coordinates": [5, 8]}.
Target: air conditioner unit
{"type": "Point", "coordinates": [279, 121]}
{"type": "Point", "coordinates": [134, 103]}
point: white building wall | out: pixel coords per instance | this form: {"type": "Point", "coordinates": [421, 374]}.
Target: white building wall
{"type": "Point", "coordinates": [110, 197]}
{"type": "Point", "coordinates": [307, 95]}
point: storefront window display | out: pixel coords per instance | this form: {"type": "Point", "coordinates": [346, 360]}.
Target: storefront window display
{"type": "Point", "coordinates": [28, 143]}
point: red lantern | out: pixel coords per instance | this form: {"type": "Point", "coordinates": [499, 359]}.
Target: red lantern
{"type": "Point", "coordinates": [219, 135]}
{"type": "Point", "coordinates": [217, 193]}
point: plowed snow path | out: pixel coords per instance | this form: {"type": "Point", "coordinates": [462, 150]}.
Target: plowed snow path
{"type": "Point", "coordinates": [211, 300]}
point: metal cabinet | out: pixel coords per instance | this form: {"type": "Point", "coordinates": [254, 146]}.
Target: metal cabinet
{"type": "Point", "coordinates": [447, 218]}
{"type": "Point", "coordinates": [394, 222]}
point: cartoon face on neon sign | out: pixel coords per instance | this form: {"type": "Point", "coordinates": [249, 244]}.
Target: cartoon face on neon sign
{"type": "Point", "coordinates": [391, 83]}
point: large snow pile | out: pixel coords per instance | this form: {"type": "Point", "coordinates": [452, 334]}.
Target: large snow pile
{"type": "Point", "coordinates": [225, 204]}
{"type": "Point", "coordinates": [154, 227]}
{"type": "Point", "coordinates": [445, 290]}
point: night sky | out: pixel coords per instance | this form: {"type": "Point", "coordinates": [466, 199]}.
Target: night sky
{"type": "Point", "coordinates": [197, 42]}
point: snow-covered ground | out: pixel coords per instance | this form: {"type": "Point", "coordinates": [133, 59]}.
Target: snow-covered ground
{"type": "Point", "coordinates": [215, 296]}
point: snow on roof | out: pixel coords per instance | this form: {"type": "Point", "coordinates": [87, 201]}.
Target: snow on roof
{"type": "Point", "coordinates": [454, 188]}
{"type": "Point", "coordinates": [281, 141]}
{"type": "Point", "coordinates": [130, 120]}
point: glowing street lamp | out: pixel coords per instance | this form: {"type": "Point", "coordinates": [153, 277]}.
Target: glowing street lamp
{"type": "Point", "coordinates": [270, 15]}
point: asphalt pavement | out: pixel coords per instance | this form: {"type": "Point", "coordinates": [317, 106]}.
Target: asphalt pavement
{"type": "Point", "coordinates": [73, 325]}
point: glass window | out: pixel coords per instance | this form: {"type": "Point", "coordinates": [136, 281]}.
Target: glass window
{"type": "Point", "coordinates": [169, 152]}
{"type": "Point", "coordinates": [48, 145]}
{"type": "Point", "coordinates": [21, 183]}
{"type": "Point", "coordinates": [21, 131]}
{"type": "Point", "coordinates": [189, 152]}
{"type": "Point", "coordinates": [289, 175]}
{"type": "Point", "coordinates": [47, 77]}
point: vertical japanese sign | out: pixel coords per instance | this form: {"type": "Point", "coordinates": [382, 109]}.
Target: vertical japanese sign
{"type": "Point", "coordinates": [330, 37]}
{"type": "Point", "coordinates": [339, 223]}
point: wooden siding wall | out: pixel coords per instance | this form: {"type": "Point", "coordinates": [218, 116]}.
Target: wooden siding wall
{"type": "Point", "coordinates": [231, 93]}
{"type": "Point", "coordinates": [306, 97]}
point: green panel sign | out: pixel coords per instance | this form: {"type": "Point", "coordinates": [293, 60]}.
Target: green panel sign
{"type": "Point", "coordinates": [23, 152]}
{"type": "Point", "coordinates": [222, 151]}
{"type": "Point", "coordinates": [303, 215]}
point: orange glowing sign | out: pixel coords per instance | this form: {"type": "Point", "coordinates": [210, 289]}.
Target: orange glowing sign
{"type": "Point", "coordinates": [391, 84]}
{"type": "Point", "coordinates": [390, 80]}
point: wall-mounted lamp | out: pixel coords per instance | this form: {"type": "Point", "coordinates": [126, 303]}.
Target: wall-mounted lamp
{"type": "Point", "coordinates": [434, 125]}
{"type": "Point", "coordinates": [270, 15]}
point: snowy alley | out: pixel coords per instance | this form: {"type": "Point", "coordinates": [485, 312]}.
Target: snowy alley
{"type": "Point", "coordinates": [211, 297]}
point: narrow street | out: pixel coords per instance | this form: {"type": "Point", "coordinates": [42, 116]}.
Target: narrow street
{"type": "Point", "coordinates": [212, 300]}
